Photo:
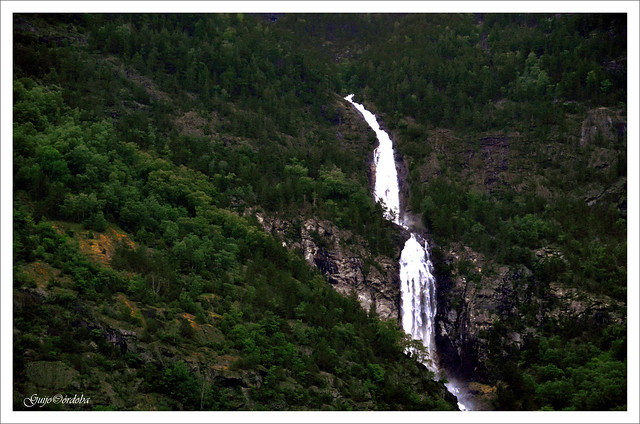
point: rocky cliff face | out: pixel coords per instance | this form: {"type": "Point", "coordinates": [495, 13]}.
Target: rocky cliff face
{"type": "Point", "coordinates": [471, 304]}
{"type": "Point", "coordinates": [479, 299]}
{"type": "Point", "coordinates": [342, 258]}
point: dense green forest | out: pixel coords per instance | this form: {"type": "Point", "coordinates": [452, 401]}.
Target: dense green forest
{"type": "Point", "coordinates": [143, 145]}
{"type": "Point", "coordinates": [100, 161]}
{"type": "Point", "coordinates": [510, 89]}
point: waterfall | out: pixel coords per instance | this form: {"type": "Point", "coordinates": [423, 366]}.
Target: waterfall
{"type": "Point", "coordinates": [386, 190]}
{"type": "Point", "coordinates": [418, 295]}
{"type": "Point", "coordinates": [418, 309]}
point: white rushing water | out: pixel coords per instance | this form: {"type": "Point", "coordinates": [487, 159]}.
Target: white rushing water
{"type": "Point", "coordinates": [386, 190]}
{"type": "Point", "coordinates": [418, 307]}
{"type": "Point", "coordinates": [418, 294]}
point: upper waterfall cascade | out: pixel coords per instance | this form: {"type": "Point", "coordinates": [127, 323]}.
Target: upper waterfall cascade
{"type": "Point", "coordinates": [386, 189]}
{"type": "Point", "coordinates": [418, 285]}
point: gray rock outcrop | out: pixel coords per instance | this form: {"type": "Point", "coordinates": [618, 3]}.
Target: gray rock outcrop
{"type": "Point", "coordinates": [341, 257]}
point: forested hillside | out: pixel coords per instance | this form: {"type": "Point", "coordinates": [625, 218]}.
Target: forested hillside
{"type": "Point", "coordinates": [147, 146]}
{"type": "Point", "coordinates": [138, 147]}
{"type": "Point", "coordinates": [513, 129]}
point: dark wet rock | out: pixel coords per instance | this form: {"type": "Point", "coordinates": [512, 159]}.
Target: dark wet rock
{"type": "Point", "coordinates": [472, 306]}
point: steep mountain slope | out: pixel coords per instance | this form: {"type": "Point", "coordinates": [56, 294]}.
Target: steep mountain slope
{"type": "Point", "coordinates": [144, 149]}
{"type": "Point", "coordinates": [151, 153]}
{"type": "Point", "coordinates": [513, 132]}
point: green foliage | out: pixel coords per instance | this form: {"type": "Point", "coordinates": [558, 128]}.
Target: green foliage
{"type": "Point", "coordinates": [170, 193]}
{"type": "Point", "coordinates": [519, 79]}
{"type": "Point", "coordinates": [180, 385]}
{"type": "Point", "coordinates": [511, 228]}
{"type": "Point", "coordinates": [170, 127]}
{"type": "Point", "coordinates": [466, 63]}
{"type": "Point", "coordinates": [561, 367]}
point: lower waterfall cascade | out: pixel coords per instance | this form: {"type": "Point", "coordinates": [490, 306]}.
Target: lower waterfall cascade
{"type": "Point", "coordinates": [418, 284]}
